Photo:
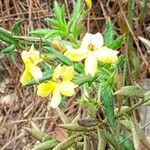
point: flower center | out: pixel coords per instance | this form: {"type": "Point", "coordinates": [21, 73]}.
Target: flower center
{"type": "Point", "coordinates": [91, 47]}
{"type": "Point", "coordinates": [59, 79]}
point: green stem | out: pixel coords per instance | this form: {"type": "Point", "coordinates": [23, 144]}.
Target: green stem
{"type": "Point", "coordinates": [112, 140]}
{"type": "Point", "coordinates": [134, 107]}
{"type": "Point", "coordinates": [129, 39]}
{"type": "Point", "coordinates": [144, 10]}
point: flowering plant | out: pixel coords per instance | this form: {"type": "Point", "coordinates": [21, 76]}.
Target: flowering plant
{"type": "Point", "coordinates": [62, 62]}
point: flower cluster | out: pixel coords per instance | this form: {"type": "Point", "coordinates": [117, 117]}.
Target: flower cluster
{"type": "Point", "coordinates": [91, 51]}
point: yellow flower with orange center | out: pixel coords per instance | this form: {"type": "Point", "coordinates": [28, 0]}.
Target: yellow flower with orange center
{"type": "Point", "coordinates": [92, 50]}
{"type": "Point", "coordinates": [31, 58]}
{"type": "Point", "coordinates": [60, 84]}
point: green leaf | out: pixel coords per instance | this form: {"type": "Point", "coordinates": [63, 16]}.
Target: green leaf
{"type": "Point", "coordinates": [37, 134]}
{"type": "Point", "coordinates": [6, 36]}
{"type": "Point", "coordinates": [11, 55]}
{"type": "Point", "coordinates": [127, 144]}
{"type": "Point", "coordinates": [79, 67]}
{"type": "Point", "coordinates": [85, 79]}
{"type": "Point", "coordinates": [109, 32]}
{"type": "Point", "coordinates": [59, 13]}
{"type": "Point", "coordinates": [46, 145]}
{"type": "Point", "coordinates": [76, 127]}
{"type": "Point", "coordinates": [90, 105]}
{"type": "Point", "coordinates": [107, 100]}
{"type": "Point", "coordinates": [136, 63]}
{"type": "Point", "coordinates": [87, 143]}
{"type": "Point", "coordinates": [115, 44]}
{"type": "Point", "coordinates": [52, 21]}
{"type": "Point", "coordinates": [74, 24]}
{"type": "Point", "coordinates": [66, 143]}
{"type": "Point", "coordinates": [46, 76]}
{"type": "Point", "coordinates": [101, 140]}
{"type": "Point", "coordinates": [40, 32]}
{"type": "Point", "coordinates": [9, 49]}
{"type": "Point", "coordinates": [131, 91]}
{"type": "Point", "coordinates": [54, 33]}
{"type": "Point", "coordinates": [66, 61]}
{"type": "Point", "coordinates": [16, 28]}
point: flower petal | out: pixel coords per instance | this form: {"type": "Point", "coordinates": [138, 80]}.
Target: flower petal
{"type": "Point", "coordinates": [57, 73]}
{"type": "Point", "coordinates": [56, 99]}
{"type": "Point", "coordinates": [96, 40]}
{"type": "Point", "coordinates": [88, 4]}
{"type": "Point", "coordinates": [25, 57]}
{"type": "Point", "coordinates": [67, 73]}
{"type": "Point", "coordinates": [44, 89]}
{"type": "Point", "coordinates": [67, 88]}
{"type": "Point", "coordinates": [36, 72]}
{"type": "Point", "coordinates": [34, 55]}
{"type": "Point", "coordinates": [25, 77]}
{"type": "Point", "coordinates": [91, 65]}
{"type": "Point", "coordinates": [76, 54]}
{"type": "Point", "coordinates": [86, 41]}
{"type": "Point", "coordinates": [107, 55]}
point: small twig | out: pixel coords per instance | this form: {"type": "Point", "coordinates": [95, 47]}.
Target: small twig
{"type": "Point", "coordinates": [15, 138]}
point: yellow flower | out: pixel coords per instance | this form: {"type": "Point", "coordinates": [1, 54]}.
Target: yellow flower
{"type": "Point", "coordinates": [88, 4]}
{"type": "Point", "coordinates": [92, 50]}
{"type": "Point", "coordinates": [60, 84]}
{"type": "Point", "coordinates": [31, 58]}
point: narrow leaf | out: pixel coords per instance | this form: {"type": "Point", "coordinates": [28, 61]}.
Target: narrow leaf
{"type": "Point", "coordinates": [34, 126]}
{"type": "Point", "coordinates": [40, 32]}
{"type": "Point", "coordinates": [6, 36]}
{"type": "Point", "coordinates": [46, 76]}
{"type": "Point", "coordinates": [107, 99]}
{"type": "Point", "coordinates": [66, 143]}
{"type": "Point", "coordinates": [115, 44]}
{"type": "Point", "coordinates": [130, 91]}
{"type": "Point", "coordinates": [9, 49]}
{"type": "Point", "coordinates": [39, 135]}
{"type": "Point", "coordinates": [101, 140]}
{"type": "Point", "coordinates": [76, 127]}
{"type": "Point", "coordinates": [87, 143]}
{"type": "Point", "coordinates": [16, 29]}
{"type": "Point", "coordinates": [109, 32]}
{"type": "Point", "coordinates": [135, 136]}
{"type": "Point", "coordinates": [136, 63]}
{"type": "Point", "coordinates": [46, 145]}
